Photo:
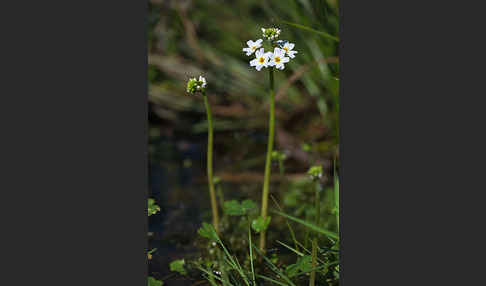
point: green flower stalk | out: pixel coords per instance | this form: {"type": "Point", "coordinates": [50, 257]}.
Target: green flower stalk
{"type": "Point", "coordinates": [268, 162]}
{"type": "Point", "coordinates": [315, 172]}
{"type": "Point", "coordinates": [194, 86]}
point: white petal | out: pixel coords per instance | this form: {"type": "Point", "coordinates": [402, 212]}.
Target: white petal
{"type": "Point", "coordinates": [260, 52]}
{"type": "Point", "coordinates": [291, 46]}
{"type": "Point", "coordinates": [285, 60]}
{"type": "Point", "coordinates": [259, 67]}
{"type": "Point", "coordinates": [254, 62]}
{"type": "Point", "coordinates": [259, 42]}
{"type": "Point", "coordinates": [249, 43]}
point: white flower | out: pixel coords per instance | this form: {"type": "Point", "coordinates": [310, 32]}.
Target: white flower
{"type": "Point", "coordinates": [278, 59]}
{"type": "Point", "coordinates": [261, 59]}
{"type": "Point", "coordinates": [196, 85]}
{"type": "Point", "coordinates": [288, 50]}
{"type": "Point", "coordinates": [252, 46]}
{"type": "Point", "coordinates": [203, 80]}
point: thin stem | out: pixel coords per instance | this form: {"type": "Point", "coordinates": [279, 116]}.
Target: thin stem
{"type": "Point", "coordinates": [212, 194]}
{"type": "Point", "coordinates": [317, 187]}
{"type": "Point", "coordinates": [318, 202]}
{"type": "Point", "coordinates": [268, 162]}
{"type": "Point", "coordinates": [312, 280]}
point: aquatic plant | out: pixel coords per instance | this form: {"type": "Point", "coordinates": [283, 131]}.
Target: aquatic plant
{"type": "Point", "coordinates": [195, 86]}
{"type": "Point", "coordinates": [274, 59]}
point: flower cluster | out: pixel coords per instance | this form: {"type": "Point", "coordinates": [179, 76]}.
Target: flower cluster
{"type": "Point", "coordinates": [194, 85]}
{"type": "Point", "coordinates": [315, 172]}
{"type": "Point", "coordinates": [281, 54]}
{"type": "Point", "coordinates": [271, 33]}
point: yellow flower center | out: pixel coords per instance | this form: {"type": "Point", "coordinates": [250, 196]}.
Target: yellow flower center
{"type": "Point", "coordinates": [261, 60]}
{"type": "Point", "coordinates": [277, 59]}
{"type": "Point", "coordinates": [286, 50]}
{"type": "Point", "coordinates": [253, 48]}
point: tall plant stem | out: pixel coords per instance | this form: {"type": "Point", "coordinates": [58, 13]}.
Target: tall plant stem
{"type": "Point", "coordinates": [268, 162]}
{"type": "Point", "coordinates": [212, 193]}
{"type": "Point", "coordinates": [317, 187]}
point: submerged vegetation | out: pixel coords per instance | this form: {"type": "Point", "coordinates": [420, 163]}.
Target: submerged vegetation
{"type": "Point", "coordinates": [271, 125]}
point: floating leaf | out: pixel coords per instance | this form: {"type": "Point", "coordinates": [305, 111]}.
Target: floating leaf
{"type": "Point", "coordinates": [260, 224]}
{"type": "Point", "coordinates": [153, 282]}
{"type": "Point", "coordinates": [178, 266]}
{"type": "Point", "coordinates": [208, 231]}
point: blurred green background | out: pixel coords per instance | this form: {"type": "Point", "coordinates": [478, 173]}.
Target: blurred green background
{"type": "Point", "coordinates": [189, 38]}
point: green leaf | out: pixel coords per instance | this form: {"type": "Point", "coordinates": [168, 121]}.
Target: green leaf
{"type": "Point", "coordinates": [278, 156]}
{"type": "Point", "coordinates": [216, 180]}
{"type": "Point", "coordinates": [153, 282]}
{"type": "Point", "coordinates": [178, 266]}
{"type": "Point", "coordinates": [260, 224]}
{"type": "Point", "coordinates": [234, 208]}
{"type": "Point", "coordinates": [303, 264]}
{"type": "Point", "coordinates": [152, 207]}
{"type": "Point", "coordinates": [248, 205]}
{"type": "Point", "coordinates": [152, 251]}
{"type": "Point", "coordinates": [208, 231]}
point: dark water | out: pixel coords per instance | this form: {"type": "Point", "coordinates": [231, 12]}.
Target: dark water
{"type": "Point", "coordinates": [174, 169]}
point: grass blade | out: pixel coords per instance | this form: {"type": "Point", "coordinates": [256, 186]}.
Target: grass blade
{"type": "Point", "coordinates": [273, 267]}
{"type": "Point", "coordinates": [251, 255]}
{"type": "Point", "coordinates": [213, 276]}
{"type": "Point", "coordinates": [336, 197]}
{"type": "Point", "coordinates": [271, 280]}
{"type": "Point", "coordinates": [290, 248]}
{"type": "Point", "coordinates": [322, 34]}
{"type": "Point", "coordinates": [310, 225]}
{"type": "Point", "coordinates": [288, 224]}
